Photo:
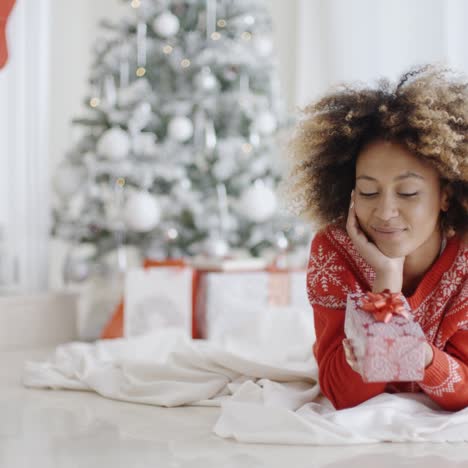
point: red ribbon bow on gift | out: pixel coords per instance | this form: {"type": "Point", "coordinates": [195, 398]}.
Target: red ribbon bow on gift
{"type": "Point", "coordinates": [384, 305]}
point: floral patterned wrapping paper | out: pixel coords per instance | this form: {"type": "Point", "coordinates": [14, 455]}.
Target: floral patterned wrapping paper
{"type": "Point", "coordinates": [386, 352]}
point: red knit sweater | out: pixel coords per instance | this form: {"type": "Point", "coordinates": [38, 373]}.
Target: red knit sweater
{"type": "Point", "coordinates": [439, 304]}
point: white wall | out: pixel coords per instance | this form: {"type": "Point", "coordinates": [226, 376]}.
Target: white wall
{"type": "Point", "coordinates": [74, 27]}
{"type": "Point", "coordinates": [285, 16]}
{"type": "Point", "coordinates": [24, 207]}
{"type": "Point", "coordinates": [362, 40]}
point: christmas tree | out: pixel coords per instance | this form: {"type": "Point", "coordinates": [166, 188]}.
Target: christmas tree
{"type": "Point", "coordinates": [179, 149]}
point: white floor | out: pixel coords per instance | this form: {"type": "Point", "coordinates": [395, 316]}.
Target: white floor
{"type": "Point", "coordinates": [65, 429]}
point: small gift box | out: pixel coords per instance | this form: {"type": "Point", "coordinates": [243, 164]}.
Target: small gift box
{"type": "Point", "coordinates": [115, 326]}
{"type": "Point", "coordinates": [387, 342]}
{"type": "Point", "coordinates": [254, 307]}
{"type": "Point", "coordinates": [157, 298]}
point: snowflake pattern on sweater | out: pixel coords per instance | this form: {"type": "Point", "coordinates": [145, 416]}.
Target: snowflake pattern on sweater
{"type": "Point", "coordinates": [439, 304]}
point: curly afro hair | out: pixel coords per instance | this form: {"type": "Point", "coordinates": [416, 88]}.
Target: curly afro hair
{"type": "Point", "coordinates": [426, 111]}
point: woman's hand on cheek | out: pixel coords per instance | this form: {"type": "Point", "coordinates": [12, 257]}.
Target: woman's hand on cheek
{"type": "Point", "coordinates": [368, 250]}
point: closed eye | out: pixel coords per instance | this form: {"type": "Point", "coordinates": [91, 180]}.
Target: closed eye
{"type": "Point", "coordinates": [401, 194]}
{"type": "Point", "coordinates": [408, 194]}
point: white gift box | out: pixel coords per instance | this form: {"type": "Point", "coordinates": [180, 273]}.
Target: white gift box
{"type": "Point", "coordinates": [158, 298]}
{"type": "Point", "coordinates": [254, 308]}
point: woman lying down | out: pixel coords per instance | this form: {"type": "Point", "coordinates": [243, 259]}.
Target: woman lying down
{"type": "Point", "coordinates": [383, 172]}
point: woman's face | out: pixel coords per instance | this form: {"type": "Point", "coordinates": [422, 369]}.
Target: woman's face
{"type": "Point", "coordinates": [398, 198]}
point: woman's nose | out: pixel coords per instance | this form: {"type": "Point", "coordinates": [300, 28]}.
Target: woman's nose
{"type": "Point", "coordinates": [387, 208]}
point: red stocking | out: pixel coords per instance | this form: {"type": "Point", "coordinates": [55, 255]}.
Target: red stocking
{"type": "Point", "coordinates": [5, 10]}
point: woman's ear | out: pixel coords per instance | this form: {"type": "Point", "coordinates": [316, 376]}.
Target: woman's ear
{"type": "Point", "coordinates": [446, 195]}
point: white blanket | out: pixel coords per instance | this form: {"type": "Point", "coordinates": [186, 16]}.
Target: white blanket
{"type": "Point", "coordinates": [266, 395]}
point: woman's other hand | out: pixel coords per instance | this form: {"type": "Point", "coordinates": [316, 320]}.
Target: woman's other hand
{"type": "Point", "coordinates": [350, 356]}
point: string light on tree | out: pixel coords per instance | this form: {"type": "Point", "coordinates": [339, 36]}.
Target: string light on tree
{"type": "Point", "coordinates": [172, 234]}
{"type": "Point", "coordinates": [185, 63]}
{"type": "Point", "coordinates": [167, 49]}
{"type": "Point", "coordinates": [247, 148]}
{"type": "Point", "coordinates": [94, 102]}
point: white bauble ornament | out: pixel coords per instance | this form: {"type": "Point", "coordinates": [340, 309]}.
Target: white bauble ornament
{"type": "Point", "coordinates": [68, 179]}
{"type": "Point", "coordinates": [206, 80]}
{"type": "Point", "coordinates": [144, 144]}
{"type": "Point", "coordinates": [78, 263]}
{"type": "Point", "coordinates": [166, 24]}
{"type": "Point", "coordinates": [113, 144]}
{"type": "Point", "coordinates": [76, 206]}
{"type": "Point", "coordinates": [141, 212]}
{"type": "Point", "coordinates": [263, 45]}
{"type": "Point", "coordinates": [140, 118]}
{"type": "Point", "coordinates": [76, 270]}
{"type": "Point", "coordinates": [281, 241]}
{"type": "Point", "coordinates": [180, 129]}
{"type": "Point", "coordinates": [215, 246]}
{"type": "Point", "coordinates": [258, 203]}
{"type": "Point", "coordinates": [265, 123]}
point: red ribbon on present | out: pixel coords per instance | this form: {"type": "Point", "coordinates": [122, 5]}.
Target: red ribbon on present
{"type": "Point", "coordinates": [384, 305]}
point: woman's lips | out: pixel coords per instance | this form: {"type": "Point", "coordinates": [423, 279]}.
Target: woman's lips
{"type": "Point", "coordinates": [387, 233]}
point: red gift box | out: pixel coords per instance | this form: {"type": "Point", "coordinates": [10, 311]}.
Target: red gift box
{"type": "Point", "coordinates": [386, 352]}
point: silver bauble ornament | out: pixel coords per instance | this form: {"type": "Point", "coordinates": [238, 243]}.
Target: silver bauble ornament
{"type": "Point", "coordinates": [180, 129]}
{"type": "Point", "coordinates": [114, 144]}
{"type": "Point", "coordinates": [281, 241]}
{"type": "Point", "coordinates": [215, 246]}
{"type": "Point", "coordinates": [78, 264]}
{"type": "Point", "coordinates": [68, 179]}
{"type": "Point", "coordinates": [76, 270]}
{"type": "Point", "coordinates": [166, 24]}
{"type": "Point", "coordinates": [265, 123]}
{"type": "Point", "coordinates": [263, 45]}
{"type": "Point", "coordinates": [141, 212]}
{"type": "Point", "coordinates": [206, 80]}
{"type": "Point", "coordinates": [258, 203]}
